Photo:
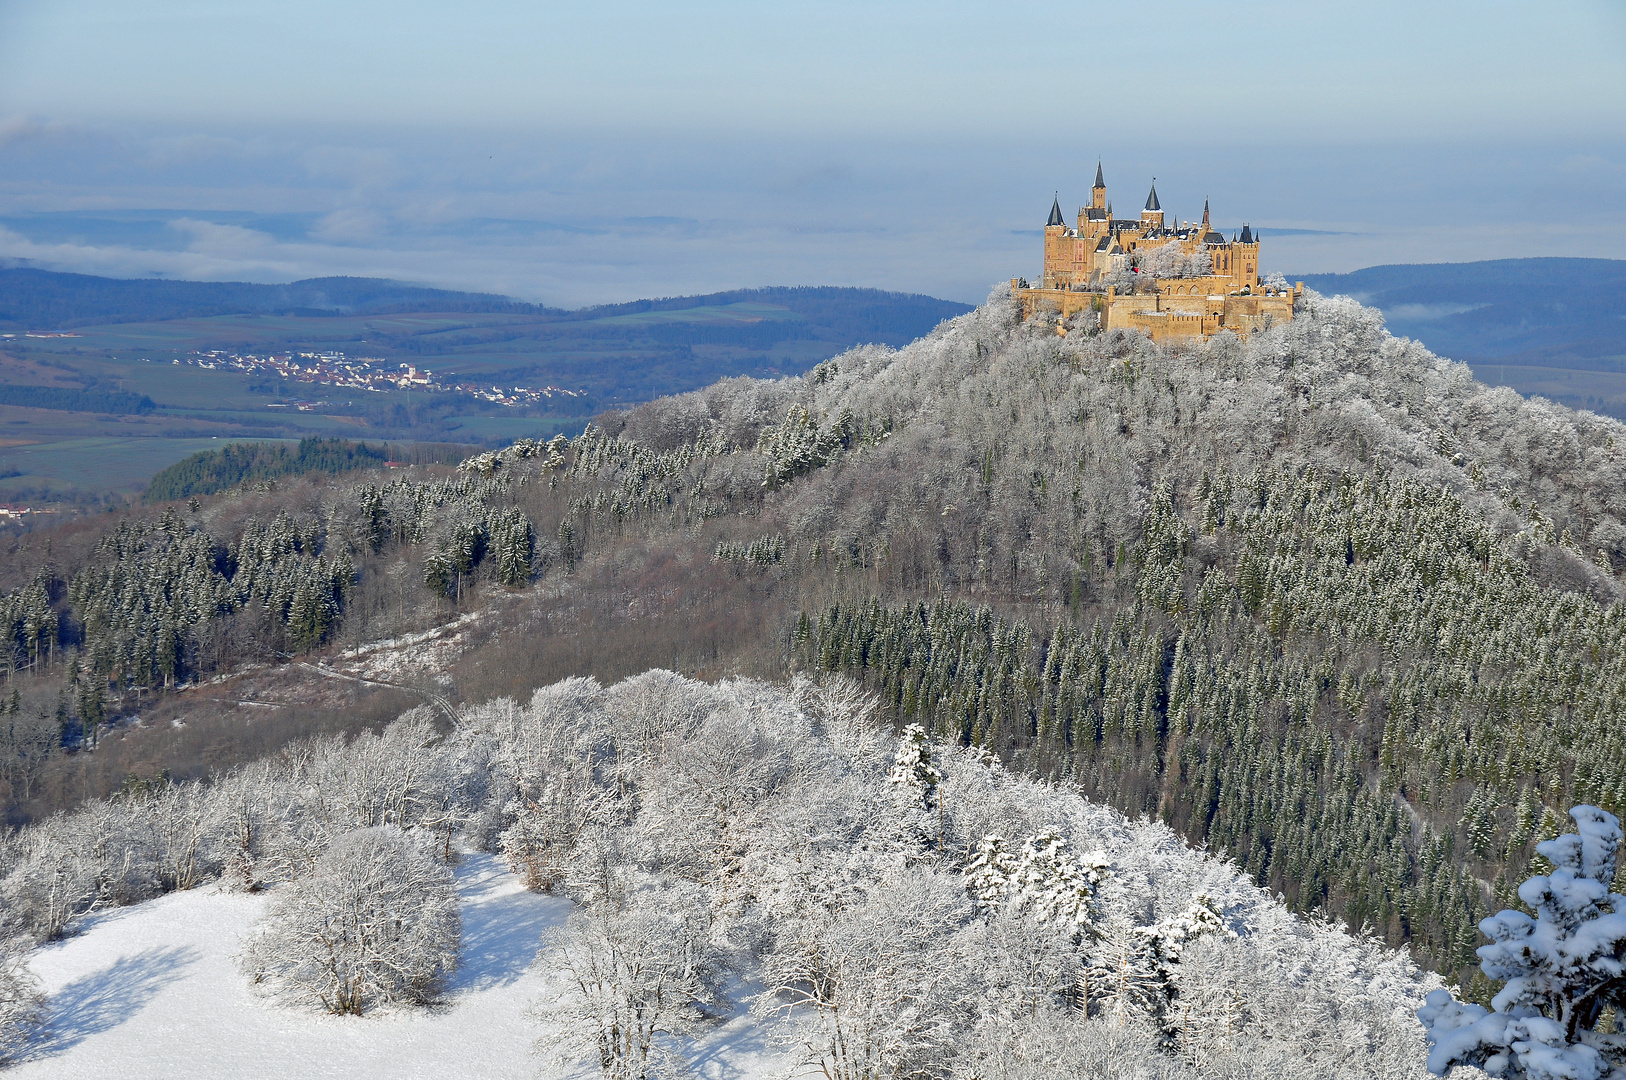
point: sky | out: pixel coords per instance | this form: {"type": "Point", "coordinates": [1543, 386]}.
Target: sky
{"type": "Point", "coordinates": [584, 153]}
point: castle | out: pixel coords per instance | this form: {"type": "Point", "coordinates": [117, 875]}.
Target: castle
{"type": "Point", "coordinates": [1164, 279]}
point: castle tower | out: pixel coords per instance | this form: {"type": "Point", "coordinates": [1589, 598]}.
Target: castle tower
{"type": "Point", "coordinates": [1098, 193]}
{"type": "Point", "coordinates": [1246, 266]}
{"type": "Point", "coordinates": [1152, 216]}
{"type": "Point", "coordinates": [1207, 234]}
{"type": "Point", "coordinates": [1057, 247]}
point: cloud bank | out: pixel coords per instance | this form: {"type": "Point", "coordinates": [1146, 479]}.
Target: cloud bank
{"type": "Point", "coordinates": [573, 219]}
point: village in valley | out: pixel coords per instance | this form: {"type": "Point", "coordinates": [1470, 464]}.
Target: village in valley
{"type": "Point", "coordinates": [361, 373]}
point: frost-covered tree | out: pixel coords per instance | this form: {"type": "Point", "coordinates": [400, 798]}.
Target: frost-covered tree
{"type": "Point", "coordinates": [1170, 261]}
{"type": "Point", "coordinates": [51, 882]}
{"type": "Point", "coordinates": [878, 988]}
{"type": "Point", "coordinates": [375, 922]}
{"type": "Point", "coordinates": [624, 971]}
{"type": "Point", "coordinates": [1565, 971]}
{"type": "Point", "coordinates": [22, 1006]}
{"type": "Point", "coordinates": [912, 767]}
{"type": "Point", "coordinates": [547, 762]}
{"type": "Point", "coordinates": [1043, 879]}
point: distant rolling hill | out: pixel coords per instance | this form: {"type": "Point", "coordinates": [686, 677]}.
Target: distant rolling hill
{"type": "Point", "coordinates": [118, 382]}
{"type": "Point", "coordinates": [45, 300]}
{"type": "Point", "coordinates": [1555, 327]}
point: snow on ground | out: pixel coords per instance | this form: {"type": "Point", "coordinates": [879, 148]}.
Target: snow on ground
{"type": "Point", "coordinates": [426, 652]}
{"type": "Point", "coordinates": [153, 991]}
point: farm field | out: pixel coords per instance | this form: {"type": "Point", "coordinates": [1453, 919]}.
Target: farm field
{"type": "Point", "coordinates": [92, 464]}
{"type": "Point", "coordinates": [1599, 391]}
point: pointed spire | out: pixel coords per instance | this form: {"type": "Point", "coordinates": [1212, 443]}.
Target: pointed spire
{"type": "Point", "coordinates": [1100, 181]}
{"type": "Point", "coordinates": [1205, 213]}
{"type": "Point", "coordinates": [1055, 212]}
{"type": "Point", "coordinates": [1151, 200]}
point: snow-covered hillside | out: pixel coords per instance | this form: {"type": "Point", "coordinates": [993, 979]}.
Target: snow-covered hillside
{"type": "Point", "coordinates": [153, 992]}
{"type": "Point", "coordinates": [750, 879]}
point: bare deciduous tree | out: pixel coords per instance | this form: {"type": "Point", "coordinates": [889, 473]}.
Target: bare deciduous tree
{"type": "Point", "coordinates": [375, 922]}
{"type": "Point", "coordinates": [625, 971]}
{"type": "Point", "coordinates": [21, 1003]}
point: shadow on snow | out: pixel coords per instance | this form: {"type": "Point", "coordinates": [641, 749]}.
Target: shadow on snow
{"type": "Point", "coordinates": [105, 999]}
{"type": "Point", "coordinates": [501, 933]}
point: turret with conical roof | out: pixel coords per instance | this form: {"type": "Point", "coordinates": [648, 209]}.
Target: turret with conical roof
{"type": "Point", "coordinates": [1098, 193]}
{"type": "Point", "coordinates": [1055, 213]}
{"type": "Point", "coordinates": [1207, 234]}
{"type": "Point", "coordinates": [1152, 216]}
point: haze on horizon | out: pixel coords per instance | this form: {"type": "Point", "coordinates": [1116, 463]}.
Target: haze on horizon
{"type": "Point", "coordinates": [574, 155]}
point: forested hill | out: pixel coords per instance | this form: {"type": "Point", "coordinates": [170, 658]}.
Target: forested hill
{"type": "Point", "coordinates": [209, 471]}
{"type": "Point", "coordinates": [45, 300]}
{"type": "Point", "coordinates": [1544, 312]}
{"type": "Point", "coordinates": [1319, 599]}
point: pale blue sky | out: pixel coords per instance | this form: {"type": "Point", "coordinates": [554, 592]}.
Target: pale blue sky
{"type": "Point", "coordinates": [584, 152]}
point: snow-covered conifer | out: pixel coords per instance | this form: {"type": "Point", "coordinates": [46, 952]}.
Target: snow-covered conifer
{"type": "Point", "coordinates": [913, 768]}
{"type": "Point", "coordinates": [1044, 880]}
{"type": "Point", "coordinates": [513, 542]}
{"type": "Point", "coordinates": [1565, 970]}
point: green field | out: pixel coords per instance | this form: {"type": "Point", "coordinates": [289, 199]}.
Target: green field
{"type": "Point", "coordinates": [1600, 391]}
{"type": "Point", "coordinates": [91, 465]}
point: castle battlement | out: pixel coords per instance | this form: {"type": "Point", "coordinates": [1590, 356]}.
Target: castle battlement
{"type": "Point", "coordinates": [1164, 279]}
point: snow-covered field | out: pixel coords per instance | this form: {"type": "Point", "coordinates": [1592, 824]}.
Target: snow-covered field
{"type": "Point", "coordinates": [153, 991]}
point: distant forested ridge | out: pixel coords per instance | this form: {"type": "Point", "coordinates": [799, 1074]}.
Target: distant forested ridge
{"type": "Point", "coordinates": [209, 471]}
{"type": "Point", "coordinates": [609, 355]}
{"type": "Point", "coordinates": [1542, 312]}
{"type": "Point", "coordinates": [68, 399]}
{"type": "Point", "coordinates": [47, 300]}
{"type": "Point", "coordinates": [831, 312]}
